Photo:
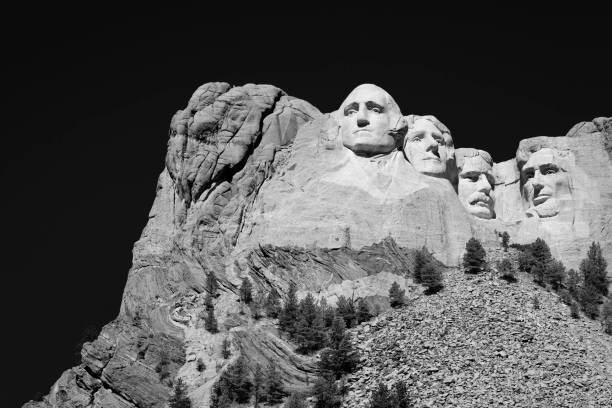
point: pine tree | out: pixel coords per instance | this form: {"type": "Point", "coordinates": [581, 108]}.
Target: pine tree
{"type": "Point", "coordinates": [340, 360]}
{"type": "Point", "coordinates": [225, 349]}
{"type": "Point", "coordinates": [381, 397]}
{"type": "Point", "coordinates": [258, 385]}
{"type": "Point", "coordinates": [593, 269]}
{"type": "Point", "coordinates": [421, 258]}
{"type": "Point", "coordinates": [258, 304]}
{"type": "Point", "coordinates": [337, 330]}
{"type": "Point", "coordinates": [272, 305]}
{"type": "Point", "coordinates": [540, 252]}
{"type": "Point", "coordinates": [345, 307]}
{"type": "Point", "coordinates": [212, 285]}
{"type": "Point", "coordinates": [327, 393]}
{"type": "Point", "coordinates": [179, 399]}
{"type": "Point", "coordinates": [363, 311]}
{"type": "Point", "coordinates": [288, 315]}
{"type": "Point", "coordinates": [555, 274]}
{"type": "Point", "coordinates": [246, 290]}
{"type": "Point", "coordinates": [525, 260]}
{"type": "Point", "coordinates": [607, 317]}
{"type": "Point", "coordinates": [400, 395]}
{"type": "Point", "coordinates": [302, 335]}
{"type": "Point", "coordinates": [208, 302]}
{"type": "Point", "coordinates": [273, 386]}
{"type": "Point", "coordinates": [220, 394]}
{"type": "Point", "coordinates": [431, 278]}
{"type": "Point", "coordinates": [239, 381]}
{"type": "Point", "coordinates": [505, 240]}
{"type": "Point", "coordinates": [474, 257]}
{"type": "Point", "coordinates": [396, 295]}
{"type": "Point", "coordinates": [574, 282]}
{"type": "Point", "coordinates": [327, 312]}
{"type": "Point", "coordinates": [574, 311]}
{"type": "Point", "coordinates": [307, 309]}
{"type": "Point", "coordinates": [318, 336]}
{"type": "Point", "coordinates": [210, 321]}
{"type": "Point", "coordinates": [296, 401]}
{"type": "Point", "coordinates": [538, 271]}
{"type": "Point", "coordinates": [506, 270]}
{"type": "Point", "coordinates": [589, 301]}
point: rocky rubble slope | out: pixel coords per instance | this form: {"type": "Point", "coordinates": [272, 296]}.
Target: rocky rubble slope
{"type": "Point", "coordinates": [480, 342]}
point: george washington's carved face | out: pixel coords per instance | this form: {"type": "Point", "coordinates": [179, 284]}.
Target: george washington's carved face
{"type": "Point", "coordinates": [475, 184]}
{"type": "Point", "coordinates": [428, 148]}
{"type": "Point", "coordinates": [368, 117]}
{"type": "Point", "coordinates": [544, 182]}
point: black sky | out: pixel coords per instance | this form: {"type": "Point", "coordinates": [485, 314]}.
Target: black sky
{"type": "Point", "coordinates": [89, 96]}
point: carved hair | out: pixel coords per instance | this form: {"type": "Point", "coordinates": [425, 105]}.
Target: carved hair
{"type": "Point", "coordinates": [529, 147]}
{"type": "Point", "coordinates": [462, 154]}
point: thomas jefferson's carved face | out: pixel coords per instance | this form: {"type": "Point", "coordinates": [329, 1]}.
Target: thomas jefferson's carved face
{"type": "Point", "coordinates": [544, 182]}
{"type": "Point", "coordinates": [367, 116]}
{"type": "Point", "coordinates": [475, 184]}
{"type": "Point", "coordinates": [427, 148]}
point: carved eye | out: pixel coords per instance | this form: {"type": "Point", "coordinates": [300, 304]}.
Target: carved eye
{"type": "Point", "coordinates": [529, 173]}
{"type": "Point", "coordinates": [377, 110]}
{"type": "Point", "coordinates": [550, 170]}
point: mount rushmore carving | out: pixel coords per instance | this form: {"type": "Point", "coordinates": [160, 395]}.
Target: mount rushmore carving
{"type": "Point", "coordinates": [261, 184]}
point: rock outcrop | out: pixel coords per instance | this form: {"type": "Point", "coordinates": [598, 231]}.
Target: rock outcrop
{"type": "Point", "coordinates": [259, 184]}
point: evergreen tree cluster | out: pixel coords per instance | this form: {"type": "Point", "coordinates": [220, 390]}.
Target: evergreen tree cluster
{"type": "Point", "coordinates": [585, 287]}
{"type": "Point", "coordinates": [179, 398]}
{"type": "Point", "coordinates": [397, 397]}
{"type": "Point", "coordinates": [427, 271]}
{"type": "Point", "coordinates": [311, 325]}
{"type": "Point", "coordinates": [236, 384]}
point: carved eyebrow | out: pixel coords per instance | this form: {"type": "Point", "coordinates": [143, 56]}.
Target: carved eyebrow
{"type": "Point", "coordinates": [371, 105]}
{"type": "Point", "coordinates": [351, 106]}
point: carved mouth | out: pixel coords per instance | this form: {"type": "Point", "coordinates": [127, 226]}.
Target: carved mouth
{"type": "Point", "coordinates": [362, 130]}
{"type": "Point", "coordinates": [541, 198]}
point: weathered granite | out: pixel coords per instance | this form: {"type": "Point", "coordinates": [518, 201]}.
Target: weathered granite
{"type": "Point", "coordinates": [263, 185]}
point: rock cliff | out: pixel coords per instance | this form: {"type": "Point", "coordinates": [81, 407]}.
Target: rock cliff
{"type": "Point", "coordinates": [259, 184]}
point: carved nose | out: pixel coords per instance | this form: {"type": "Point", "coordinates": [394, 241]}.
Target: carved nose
{"type": "Point", "coordinates": [362, 122]}
{"type": "Point", "coordinates": [483, 185]}
{"type": "Point", "coordinates": [432, 146]}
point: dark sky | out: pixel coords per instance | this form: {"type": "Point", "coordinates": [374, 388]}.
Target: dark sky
{"type": "Point", "coordinates": [89, 96]}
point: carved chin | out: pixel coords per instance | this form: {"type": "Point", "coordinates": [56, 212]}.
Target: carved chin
{"type": "Point", "coordinates": [547, 209]}
{"type": "Point", "coordinates": [480, 212]}
{"type": "Point", "coordinates": [431, 168]}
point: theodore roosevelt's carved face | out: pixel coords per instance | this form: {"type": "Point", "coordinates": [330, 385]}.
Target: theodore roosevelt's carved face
{"type": "Point", "coordinates": [368, 118]}
{"type": "Point", "coordinates": [475, 184]}
{"type": "Point", "coordinates": [545, 183]}
{"type": "Point", "coordinates": [428, 147]}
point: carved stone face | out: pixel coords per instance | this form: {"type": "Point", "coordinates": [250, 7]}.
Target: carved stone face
{"type": "Point", "coordinates": [475, 184]}
{"type": "Point", "coordinates": [544, 182]}
{"type": "Point", "coordinates": [366, 118]}
{"type": "Point", "coordinates": [427, 148]}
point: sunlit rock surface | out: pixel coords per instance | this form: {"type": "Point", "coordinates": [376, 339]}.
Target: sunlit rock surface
{"type": "Point", "coordinates": [259, 184]}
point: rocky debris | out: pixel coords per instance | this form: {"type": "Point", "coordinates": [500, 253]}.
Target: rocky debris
{"type": "Point", "coordinates": [480, 343]}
